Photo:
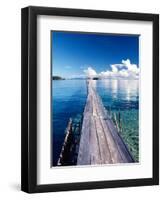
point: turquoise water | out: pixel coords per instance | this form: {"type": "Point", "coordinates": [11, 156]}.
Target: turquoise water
{"type": "Point", "coordinates": [68, 100]}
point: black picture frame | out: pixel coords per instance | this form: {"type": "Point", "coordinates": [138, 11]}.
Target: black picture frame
{"type": "Point", "coordinates": [29, 98]}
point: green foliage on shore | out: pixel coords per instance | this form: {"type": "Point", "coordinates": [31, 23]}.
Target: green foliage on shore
{"type": "Point", "coordinates": [57, 78]}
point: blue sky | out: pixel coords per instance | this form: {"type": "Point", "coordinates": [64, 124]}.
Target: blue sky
{"type": "Point", "coordinates": [75, 53]}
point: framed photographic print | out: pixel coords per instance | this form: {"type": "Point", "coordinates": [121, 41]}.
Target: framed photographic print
{"type": "Point", "coordinates": [90, 99]}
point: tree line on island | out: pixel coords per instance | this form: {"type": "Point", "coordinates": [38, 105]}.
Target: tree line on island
{"type": "Point", "coordinates": [58, 78]}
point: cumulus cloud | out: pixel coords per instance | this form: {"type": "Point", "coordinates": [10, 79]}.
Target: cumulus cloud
{"type": "Point", "coordinates": [114, 69]}
{"type": "Point", "coordinates": [132, 69]}
{"type": "Point", "coordinates": [125, 69]}
{"type": "Point", "coordinates": [90, 72]}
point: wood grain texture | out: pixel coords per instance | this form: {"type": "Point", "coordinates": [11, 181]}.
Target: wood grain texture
{"type": "Point", "coordinates": [100, 141]}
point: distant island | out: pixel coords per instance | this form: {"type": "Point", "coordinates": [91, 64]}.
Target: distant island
{"type": "Point", "coordinates": [75, 78]}
{"type": "Point", "coordinates": [95, 78]}
{"type": "Point", "coordinates": [57, 78]}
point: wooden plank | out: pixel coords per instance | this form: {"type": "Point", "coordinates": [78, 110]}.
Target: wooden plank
{"type": "Point", "coordinates": [83, 155]}
{"type": "Point", "coordinates": [127, 157]}
{"type": "Point", "coordinates": [95, 152]}
{"type": "Point", "coordinates": [100, 142]}
{"type": "Point", "coordinates": [115, 155]}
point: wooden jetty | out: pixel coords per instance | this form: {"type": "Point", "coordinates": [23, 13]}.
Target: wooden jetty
{"type": "Point", "coordinates": [100, 142]}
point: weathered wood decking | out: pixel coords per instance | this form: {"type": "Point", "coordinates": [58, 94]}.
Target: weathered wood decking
{"type": "Point", "coordinates": [100, 142]}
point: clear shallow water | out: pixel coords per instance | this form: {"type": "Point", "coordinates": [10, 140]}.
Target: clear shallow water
{"type": "Point", "coordinates": [123, 96]}
{"type": "Point", "coordinates": [68, 100]}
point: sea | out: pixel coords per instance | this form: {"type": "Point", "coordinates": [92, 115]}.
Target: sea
{"type": "Point", "coordinates": [118, 96]}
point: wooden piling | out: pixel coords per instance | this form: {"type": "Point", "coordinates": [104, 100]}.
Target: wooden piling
{"type": "Point", "coordinates": [66, 144]}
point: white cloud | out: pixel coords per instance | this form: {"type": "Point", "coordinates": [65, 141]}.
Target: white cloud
{"type": "Point", "coordinates": [122, 70]}
{"type": "Point", "coordinates": [114, 68]}
{"type": "Point", "coordinates": [124, 73]}
{"type": "Point", "coordinates": [131, 67]}
{"type": "Point", "coordinates": [105, 74]}
{"type": "Point", "coordinates": [90, 72]}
